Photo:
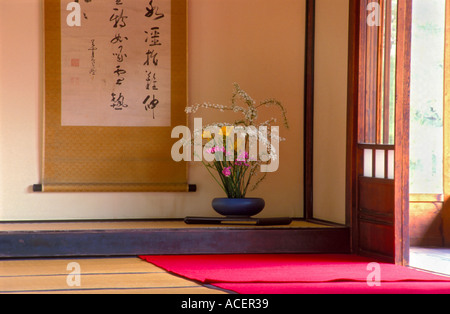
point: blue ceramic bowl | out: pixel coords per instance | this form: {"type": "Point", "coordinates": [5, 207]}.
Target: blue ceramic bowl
{"type": "Point", "coordinates": [238, 207]}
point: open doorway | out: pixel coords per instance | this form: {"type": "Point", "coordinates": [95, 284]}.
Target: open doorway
{"type": "Point", "coordinates": [400, 105]}
{"type": "Point", "coordinates": [429, 144]}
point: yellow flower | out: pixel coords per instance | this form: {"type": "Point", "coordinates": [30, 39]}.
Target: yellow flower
{"type": "Point", "coordinates": [226, 130]}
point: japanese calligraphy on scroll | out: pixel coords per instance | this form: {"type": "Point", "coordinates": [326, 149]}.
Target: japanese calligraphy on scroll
{"type": "Point", "coordinates": [116, 63]}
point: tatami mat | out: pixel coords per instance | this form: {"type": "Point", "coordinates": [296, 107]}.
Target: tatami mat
{"type": "Point", "coordinates": [98, 276]}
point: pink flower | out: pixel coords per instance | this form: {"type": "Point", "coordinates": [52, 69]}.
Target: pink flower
{"type": "Point", "coordinates": [214, 150]}
{"type": "Point", "coordinates": [226, 172]}
{"type": "Point", "coordinates": [243, 156]}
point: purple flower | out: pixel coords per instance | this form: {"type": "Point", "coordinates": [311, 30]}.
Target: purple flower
{"type": "Point", "coordinates": [226, 172]}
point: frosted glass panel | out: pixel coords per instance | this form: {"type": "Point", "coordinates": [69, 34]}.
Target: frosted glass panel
{"type": "Point", "coordinates": [391, 164]}
{"type": "Point", "coordinates": [380, 164]}
{"type": "Point", "coordinates": [368, 162]}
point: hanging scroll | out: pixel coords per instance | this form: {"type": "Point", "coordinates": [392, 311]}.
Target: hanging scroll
{"type": "Point", "coordinates": [115, 86]}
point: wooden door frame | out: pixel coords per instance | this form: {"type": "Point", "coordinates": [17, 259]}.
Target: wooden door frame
{"type": "Point", "coordinates": [356, 95]}
{"type": "Point", "coordinates": [402, 131]}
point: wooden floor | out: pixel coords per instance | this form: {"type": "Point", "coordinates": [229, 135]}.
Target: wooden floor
{"type": "Point", "coordinates": [98, 276]}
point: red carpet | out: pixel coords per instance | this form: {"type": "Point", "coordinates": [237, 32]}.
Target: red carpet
{"type": "Point", "coordinates": [300, 274]}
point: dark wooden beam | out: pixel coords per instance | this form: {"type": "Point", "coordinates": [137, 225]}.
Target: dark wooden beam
{"type": "Point", "coordinates": [309, 109]}
{"type": "Point", "coordinates": [354, 97]}
{"type": "Point", "coordinates": [132, 242]}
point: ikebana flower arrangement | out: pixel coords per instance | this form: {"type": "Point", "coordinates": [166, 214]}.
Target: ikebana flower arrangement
{"type": "Point", "coordinates": [235, 164]}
